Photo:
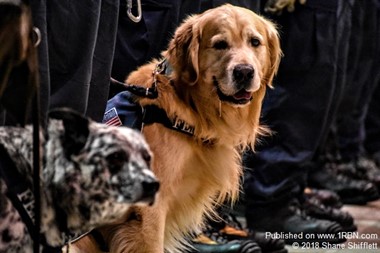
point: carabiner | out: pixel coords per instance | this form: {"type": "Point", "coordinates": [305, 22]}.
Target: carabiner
{"type": "Point", "coordinates": [36, 36]}
{"type": "Point", "coordinates": [132, 17]}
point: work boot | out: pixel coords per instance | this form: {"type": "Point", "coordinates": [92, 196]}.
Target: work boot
{"type": "Point", "coordinates": [232, 229]}
{"type": "Point", "coordinates": [350, 191]}
{"type": "Point", "coordinates": [290, 222]}
{"type": "Point", "coordinates": [362, 168]}
{"type": "Point", "coordinates": [325, 197]}
{"type": "Point", "coordinates": [315, 209]}
{"type": "Point", "coordinates": [268, 245]}
{"type": "Point", "coordinates": [211, 241]}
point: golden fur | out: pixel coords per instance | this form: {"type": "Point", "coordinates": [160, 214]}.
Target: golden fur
{"type": "Point", "coordinates": [195, 174]}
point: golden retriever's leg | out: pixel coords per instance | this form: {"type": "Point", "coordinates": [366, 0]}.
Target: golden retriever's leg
{"type": "Point", "coordinates": [142, 232]}
{"type": "Point", "coordinates": [145, 234]}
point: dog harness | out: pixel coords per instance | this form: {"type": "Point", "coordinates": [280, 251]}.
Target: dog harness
{"type": "Point", "coordinates": [20, 193]}
{"type": "Point", "coordinates": [123, 110]}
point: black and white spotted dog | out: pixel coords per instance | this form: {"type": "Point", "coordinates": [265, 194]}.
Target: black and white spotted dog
{"type": "Point", "coordinates": [91, 175]}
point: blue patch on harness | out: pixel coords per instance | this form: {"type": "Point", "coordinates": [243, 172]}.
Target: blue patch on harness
{"type": "Point", "coordinates": [122, 110]}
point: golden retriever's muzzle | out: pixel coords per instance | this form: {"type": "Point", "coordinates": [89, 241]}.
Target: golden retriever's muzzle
{"type": "Point", "coordinates": [239, 98]}
{"type": "Point", "coordinates": [242, 77]}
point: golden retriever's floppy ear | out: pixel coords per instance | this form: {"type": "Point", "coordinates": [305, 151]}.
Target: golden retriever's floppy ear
{"type": "Point", "coordinates": [275, 52]}
{"type": "Point", "coordinates": [183, 51]}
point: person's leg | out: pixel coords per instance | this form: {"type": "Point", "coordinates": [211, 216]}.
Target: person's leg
{"type": "Point", "coordinates": [356, 95]}
{"type": "Point", "coordinates": [372, 126]}
{"type": "Point", "coordinates": [323, 173]}
{"type": "Point", "coordinates": [296, 107]}
{"type": "Point", "coordinates": [296, 111]}
{"type": "Point", "coordinates": [72, 29]}
{"type": "Point", "coordinates": [102, 59]}
{"type": "Point", "coordinates": [351, 124]}
{"type": "Point", "coordinates": [344, 148]}
{"type": "Point", "coordinates": [372, 122]}
{"type": "Point", "coordinates": [345, 59]}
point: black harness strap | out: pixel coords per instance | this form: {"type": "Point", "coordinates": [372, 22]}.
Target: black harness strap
{"type": "Point", "coordinates": [153, 114]}
{"type": "Point", "coordinates": [20, 193]}
{"type": "Point", "coordinates": [137, 90]}
{"type": "Point", "coordinates": [162, 68]}
{"type": "Point", "coordinates": [18, 190]}
{"type": "Point", "coordinates": [37, 169]}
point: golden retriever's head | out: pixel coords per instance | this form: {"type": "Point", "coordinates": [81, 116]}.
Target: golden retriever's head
{"type": "Point", "coordinates": [229, 52]}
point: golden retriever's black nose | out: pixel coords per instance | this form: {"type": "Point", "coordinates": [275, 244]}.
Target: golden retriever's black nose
{"type": "Point", "coordinates": [243, 74]}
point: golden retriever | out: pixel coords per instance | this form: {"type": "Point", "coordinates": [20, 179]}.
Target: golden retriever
{"type": "Point", "coordinates": [218, 66]}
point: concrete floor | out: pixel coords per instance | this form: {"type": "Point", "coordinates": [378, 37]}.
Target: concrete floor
{"type": "Point", "coordinates": [367, 219]}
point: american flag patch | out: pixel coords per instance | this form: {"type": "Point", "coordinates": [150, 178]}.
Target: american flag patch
{"type": "Point", "coordinates": [111, 118]}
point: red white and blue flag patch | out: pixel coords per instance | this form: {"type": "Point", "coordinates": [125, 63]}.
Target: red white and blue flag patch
{"type": "Point", "coordinates": [111, 118]}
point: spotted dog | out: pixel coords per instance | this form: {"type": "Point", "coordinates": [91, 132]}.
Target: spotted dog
{"type": "Point", "coordinates": [91, 175]}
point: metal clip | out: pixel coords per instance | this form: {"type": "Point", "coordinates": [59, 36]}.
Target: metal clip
{"type": "Point", "coordinates": [36, 36]}
{"type": "Point", "coordinates": [160, 67]}
{"type": "Point", "coordinates": [132, 17]}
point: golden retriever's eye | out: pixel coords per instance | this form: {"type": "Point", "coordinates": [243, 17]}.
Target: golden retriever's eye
{"type": "Point", "coordinates": [255, 42]}
{"type": "Point", "coordinates": [220, 45]}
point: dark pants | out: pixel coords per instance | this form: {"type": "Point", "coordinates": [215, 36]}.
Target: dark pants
{"type": "Point", "coordinates": [372, 122]}
{"type": "Point", "coordinates": [299, 108]}
{"type": "Point", "coordinates": [363, 75]}
{"type": "Point", "coordinates": [75, 55]}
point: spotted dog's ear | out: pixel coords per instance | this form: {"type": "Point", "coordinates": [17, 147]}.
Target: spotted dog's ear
{"type": "Point", "coordinates": [76, 129]}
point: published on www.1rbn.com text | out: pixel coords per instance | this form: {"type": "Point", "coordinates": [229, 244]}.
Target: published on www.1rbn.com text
{"type": "Point", "coordinates": [328, 241]}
